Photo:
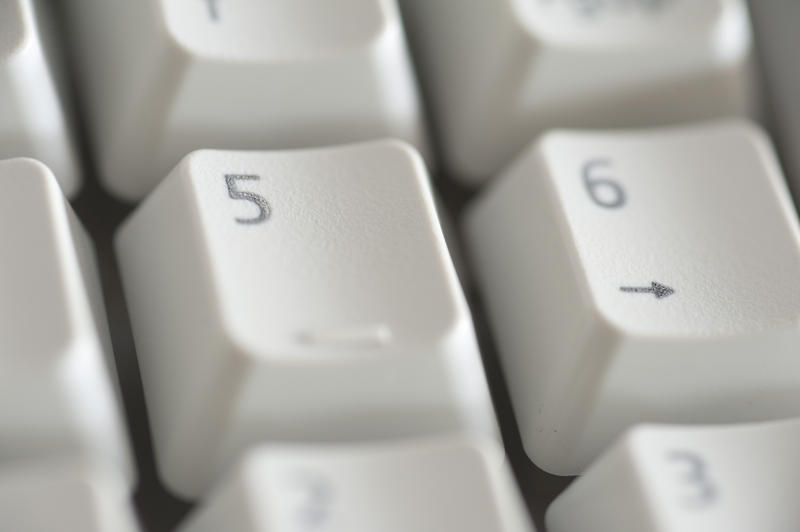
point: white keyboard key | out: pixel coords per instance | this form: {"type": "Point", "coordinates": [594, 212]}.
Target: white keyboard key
{"type": "Point", "coordinates": [736, 478]}
{"type": "Point", "coordinates": [430, 486]}
{"type": "Point", "coordinates": [33, 121]}
{"type": "Point", "coordinates": [499, 73]}
{"type": "Point", "coordinates": [64, 497]}
{"type": "Point", "coordinates": [165, 77]}
{"type": "Point", "coordinates": [58, 388]}
{"type": "Point", "coordinates": [298, 295]}
{"type": "Point", "coordinates": [641, 276]}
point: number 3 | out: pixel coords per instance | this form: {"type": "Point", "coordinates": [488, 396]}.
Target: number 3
{"type": "Point", "coordinates": [264, 210]}
{"type": "Point", "coordinates": [313, 506]}
{"type": "Point", "coordinates": [696, 475]}
{"type": "Point", "coordinates": [603, 191]}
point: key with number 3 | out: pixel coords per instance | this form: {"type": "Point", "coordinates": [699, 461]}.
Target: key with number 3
{"type": "Point", "coordinates": [442, 485]}
{"type": "Point", "coordinates": [689, 479]}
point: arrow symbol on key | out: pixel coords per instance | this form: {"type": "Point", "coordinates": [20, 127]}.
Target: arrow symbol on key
{"type": "Point", "coordinates": [657, 289]}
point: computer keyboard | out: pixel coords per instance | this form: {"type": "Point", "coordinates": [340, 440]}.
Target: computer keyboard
{"type": "Point", "coordinates": [399, 265]}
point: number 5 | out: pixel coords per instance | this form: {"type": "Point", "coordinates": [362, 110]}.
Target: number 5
{"type": "Point", "coordinates": [264, 210]}
{"type": "Point", "coordinates": [603, 191]}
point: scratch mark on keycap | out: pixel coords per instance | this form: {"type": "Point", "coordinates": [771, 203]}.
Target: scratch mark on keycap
{"type": "Point", "coordinates": [367, 337]}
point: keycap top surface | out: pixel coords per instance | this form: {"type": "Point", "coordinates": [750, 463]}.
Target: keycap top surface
{"type": "Point", "coordinates": [698, 206]}
{"type": "Point", "coordinates": [360, 261]}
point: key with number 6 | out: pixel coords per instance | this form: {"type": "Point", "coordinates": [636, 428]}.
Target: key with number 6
{"type": "Point", "coordinates": [302, 296]}
{"type": "Point", "coordinates": [689, 479]}
{"type": "Point", "coordinates": [641, 276]}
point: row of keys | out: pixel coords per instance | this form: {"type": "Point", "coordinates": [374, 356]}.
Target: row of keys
{"type": "Point", "coordinates": [400, 360]}
{"type": "Point", "coordinates": [271, 287]}
{"type": "Point", "coordinates": [160, 79]}
{"type": "Point", "coordinates": [425, 486]}
{"type": "Point", "coordinates": [272, 274]}
{"type": "Point", "coordinates": [657, 478]}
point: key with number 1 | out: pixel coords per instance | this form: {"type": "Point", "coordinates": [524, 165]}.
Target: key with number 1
{"type": "Point", "coordinates": [165, 77]}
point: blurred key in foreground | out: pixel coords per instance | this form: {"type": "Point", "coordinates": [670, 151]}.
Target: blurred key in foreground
{"type": "Point", "coordinates": [58, 386]}
{"type": "Point", "coordinates": [422, 486]}
{"type": "Point", "coordinates": [34, 108]}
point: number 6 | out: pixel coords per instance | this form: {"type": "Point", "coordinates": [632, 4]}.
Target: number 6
{"type": "Point", "coordinates": [615, 196]}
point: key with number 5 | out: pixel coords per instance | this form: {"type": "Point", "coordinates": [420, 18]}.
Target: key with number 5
{"type": "Point", "coordinates": [641, 276]}
{"type": "Point", "coordinates": [689, 479]}
{"type": "Point", "coordinates": [296, 296]}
